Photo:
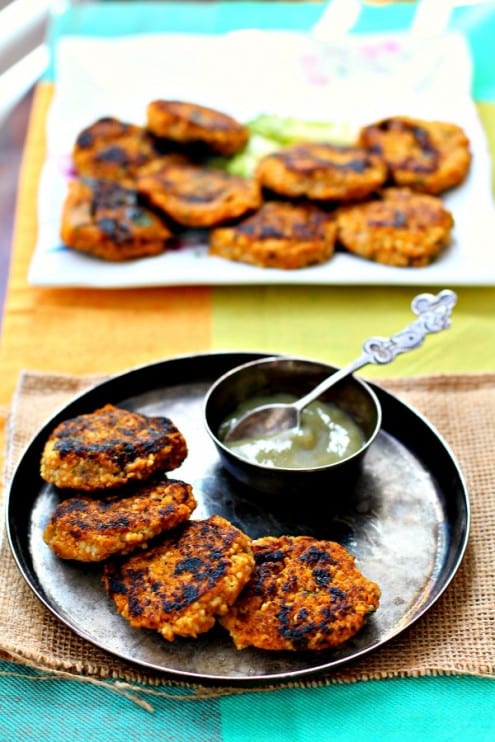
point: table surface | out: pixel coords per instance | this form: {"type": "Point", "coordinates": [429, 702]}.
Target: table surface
{"type": "Point", "coordinates": [97, 331]}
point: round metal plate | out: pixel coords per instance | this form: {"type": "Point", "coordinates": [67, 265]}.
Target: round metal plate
{"type": "Point", "coordinates": [406, 522]}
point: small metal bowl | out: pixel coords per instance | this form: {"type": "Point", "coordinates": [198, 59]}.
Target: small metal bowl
{"type": "Point", "coordinates": [294, 376]}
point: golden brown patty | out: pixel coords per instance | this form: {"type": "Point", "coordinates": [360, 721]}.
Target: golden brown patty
{"type": "Point", "coordinates": [112, 150]}
{"type": "Point", "coordinates": [279, 235]}
{"type": "Point", "coordinates": [163, 161]}
{"type": "Point", "coordinates": [104, 219]}
{"type": "Point", "coordinates": [181, 586]}
{"type": "Point", "coordinates": [322, 171]}
{"type": "Point", "coordinates": [190, 123]}
{"type": "Point", "coordinates": [304, 595]}
{"type": "Point", "coordinates": [109, 448]}
{"type": "Point", "coordinates": [199, 197]}
{"type": "Point", "coordinates": [90, 530]}
{"type": "Point", "coordinates": [427, 156]}
{"type": "Point", "coordinates": [402, 228]}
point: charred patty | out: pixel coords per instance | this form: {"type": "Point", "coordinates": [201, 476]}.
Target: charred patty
{"type": "Point", "coordinates": [190, 123]}
{"type": "Point", "coordinates": [112, 150]}
{"type": "Point", "coordinates": [179, 587]}
{"type": "Point", "coordinates": [427, 156]}
{"type": "Point", "coordinates": [400, 228]}
{"type": "Point", "coordinates": [109, 448]}
{"type": "Point", "coordinates": [104, 219]}
{"type": "Point", "coordinates": [321, 171]}
{"type": "Point", "coordinates": [280, 235]}
{"type": "Point", "coordinates": [304, 594]}
{"type": "Point", "coordinates": [88, 529]}
{"type": "Point", "coordinates": [197, 196]}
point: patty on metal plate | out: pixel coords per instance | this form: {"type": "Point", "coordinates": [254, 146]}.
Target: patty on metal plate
{"type": "Point", "coordinates": [304, 594]}
{"type": "Point", "coordinates": [402, 228]}
{"type": "Point", "coordinates": [109, 448]}
{"type": "Point", "coordinates": [199, 196]}
{"type": "Point", "coordinates": [280, 235]}
{"type": "Point", "coordinates": [427, 156]}
{"type": "Point", "coordinates": [186, 123]}
{"type": "Point", "coordinates": [104, 219]}
{"type": "Point", "coordinates": [180, 587]}
{"type": "Point", "coordinates": [90, 529]}
{"type": "Point", "coordinates": [322, 171]}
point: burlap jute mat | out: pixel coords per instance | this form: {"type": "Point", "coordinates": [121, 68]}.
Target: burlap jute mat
{"type": "Point", "coordinates": [456, 636]}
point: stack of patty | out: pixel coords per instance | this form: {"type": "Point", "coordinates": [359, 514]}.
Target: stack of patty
{"type": "Point", "coordinates": [175, 575]}
{"type": "Point", "coordinates": [381, 192]}
{"type": "Point", "coordinates": [111, 467]}
{"type": "Point", "coordinates": [114, 463]}
{"type": "Point", "coordinates": [138, 187]}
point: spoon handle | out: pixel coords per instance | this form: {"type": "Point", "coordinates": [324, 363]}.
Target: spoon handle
{"type": "Point", "coordinates": [433, 315]}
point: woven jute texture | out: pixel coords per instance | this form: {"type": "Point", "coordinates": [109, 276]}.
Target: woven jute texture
{"type": "Point", "coordinates": [456, 636]}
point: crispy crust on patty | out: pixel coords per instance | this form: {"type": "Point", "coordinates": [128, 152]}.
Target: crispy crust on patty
{"type": "Point", "coordinates": [199, 197]}
{"type": "Point", "coordinates": [179, 587]}
{"type": "Point", "coordinates": [427, 156]}
{"type": "Point", "coordinates": [279, 235]}
{"type": "Point", "coordinates": [401, 228]}
{"type": "Point", "coordinates": [104, 219]}
{"type": "Point", "coordinates": [109, 448]}
{"type": "Point", "coordinates": [322, 171]}
{"type": "Point", "coordinates": [112, 149]}
{"type": "Point", "coordinates": [304, 594]}
{"type": "Point", "coordinates": [91, 530]}
{"type": "Point", "coordinates": [186, 122]}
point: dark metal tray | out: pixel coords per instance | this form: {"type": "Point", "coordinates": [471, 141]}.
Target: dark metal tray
{"type": "Point", "coordinates": [407, 523]}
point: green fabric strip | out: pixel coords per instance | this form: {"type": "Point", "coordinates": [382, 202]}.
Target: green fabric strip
{"type": "Point", "coordinates": [330, 324]}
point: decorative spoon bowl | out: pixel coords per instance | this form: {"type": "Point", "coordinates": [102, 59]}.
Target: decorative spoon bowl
{"type": "Point", "coordinates": [304, 380]}
{"type": "Point", "coordinates": [295, 377]}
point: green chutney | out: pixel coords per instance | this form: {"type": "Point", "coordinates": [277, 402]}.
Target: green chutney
{"type": "Point", "coordinates": [326, 435]}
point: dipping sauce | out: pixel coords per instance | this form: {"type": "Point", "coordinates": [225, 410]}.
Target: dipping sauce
{"type": "Point", "coordinates": [326, 435]}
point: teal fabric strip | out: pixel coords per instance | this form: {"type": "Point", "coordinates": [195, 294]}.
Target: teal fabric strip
{"type": "Point", "coordinates": [36, 706]}
{"type": "Point", "coordinates": [118, 18]}
{"type": "Point", "coordinates": [406, 710]}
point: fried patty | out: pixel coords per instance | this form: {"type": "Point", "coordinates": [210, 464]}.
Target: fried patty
{"type": "Point", "coordinates": [179, 587]}
{"type": "Point", "coordinates": [91, 530]}
{"type": "Point", "coordinates": [109, 448]}
{"type": "Point", "coordinates": [198, 196]}
{"type": "Point", "coordinates": [304, 594]}
{"type": "Point", "coordinates": [279, 235]}
{"type": "Point", "coordinates": [112, 149]}
{"type": "Point", "coordinates": [401, 228]}
{"type": "Point", "coordinates": [189, 123]}
{"type": "Point", "coordinates": [322, 171]}
{"type": "Point", "coordinates": [104, 219]}
{"type": "Point", "coordinates": [427, 156]}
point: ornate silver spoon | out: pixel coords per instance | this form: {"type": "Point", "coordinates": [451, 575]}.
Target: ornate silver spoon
{"type": "Point", "coordinates": [433, 315]}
